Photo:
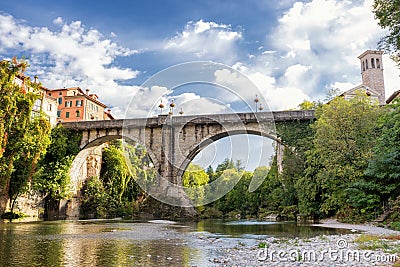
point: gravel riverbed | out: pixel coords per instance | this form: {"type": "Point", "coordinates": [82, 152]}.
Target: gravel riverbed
{"type": "Point", "coordinates": [324, 250]}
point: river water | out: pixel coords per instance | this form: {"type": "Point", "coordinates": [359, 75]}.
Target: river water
{"type": "Point", "coordinates": [135, 243]}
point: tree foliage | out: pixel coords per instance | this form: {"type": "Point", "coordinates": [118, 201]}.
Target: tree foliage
{"type": "Point", "coordinates": [384, 167]}
{"type": "Point", "coordinates": [116, 191]}
{"type": "Point", "coordinates": [34, 144]}
{"type": "Point", "coordinates": [388, 14]}
{"type": "Point", "coordinates": [52, 177]}
{"type": "Point", "coordinates": [23, 138]}
{"type": "Point", "coordinates": [194, 179]}
{"type": "Point", "coordinates": [345, 134]}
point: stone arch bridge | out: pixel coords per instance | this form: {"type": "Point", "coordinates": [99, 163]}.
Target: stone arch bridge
{"type": "Point", "coordinates": [172, 142]}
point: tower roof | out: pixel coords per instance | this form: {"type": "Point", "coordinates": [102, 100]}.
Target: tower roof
{"type": "Point", "coordinates": [379, 52]}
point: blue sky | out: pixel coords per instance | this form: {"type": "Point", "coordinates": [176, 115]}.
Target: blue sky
{"type": "Point", "coordinates": [292, 50]}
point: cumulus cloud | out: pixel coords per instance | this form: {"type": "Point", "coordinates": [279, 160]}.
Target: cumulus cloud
{"type": "Point", "coordinates": [327, 35]}
{"type": "Point", "coordinates": [314, 47]}
{"type": "Point", "coordinates": [70, 56]}
{"type": "Point", "coordinates": [205, 40]}
{"type": "Point", "coordinates": [192, 104]}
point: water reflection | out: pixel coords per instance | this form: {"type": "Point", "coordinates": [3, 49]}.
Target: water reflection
{"type": "Point", "coordinates": [113, 243]}
{"type": "Point", "coordinates": [254, 228]}
{"type": "Point", "coordinates": [92, 244]}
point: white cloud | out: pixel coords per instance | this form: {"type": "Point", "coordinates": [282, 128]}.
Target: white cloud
{"type": "Point", "coordinates": [145, 101]}
{"type": "Point", "coordinates": [391, 75]}
{"type": "Point", "coordinates": [58, 21]}
{"type": "Point", "coordinates": [314, 47]}
{"type": "Point", "coordinates": [277, 98]}
{"type": "Point", "coordinates": [205, 40]}
{"type": "Point", "coordinates": [70, 56]}
{"type": "Point", "coordinates": [192, 104]}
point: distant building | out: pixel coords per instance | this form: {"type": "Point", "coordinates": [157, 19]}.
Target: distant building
{"type": "Point", "coordinates": [76, 105]}
{"type": "Point", "coordinates": [373, 95]}
{"type": "Point", "coordinates": [372, 77]}
{"type": "Point", "coordinates": [45, 104]}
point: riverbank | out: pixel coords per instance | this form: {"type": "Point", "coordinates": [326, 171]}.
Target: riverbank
{"type": "Point", "coordinates": [365, 228]}
{"type": "Point", "coordinates": [368, 246]}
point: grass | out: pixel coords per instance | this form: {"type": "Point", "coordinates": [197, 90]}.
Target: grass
{"type": "Point", "coordinates": [373, 242]}
{"type": "Point", "coordinates": [324, 238]}
{"type": "Point", "coordinates": [262, 245]}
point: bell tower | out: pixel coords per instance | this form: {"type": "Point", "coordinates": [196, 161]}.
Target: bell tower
{"type": "Point", "coordinates": [372, 72]}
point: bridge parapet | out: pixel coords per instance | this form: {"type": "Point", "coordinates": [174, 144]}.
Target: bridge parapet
{"type": "Point", "coordinates": [277, 116]}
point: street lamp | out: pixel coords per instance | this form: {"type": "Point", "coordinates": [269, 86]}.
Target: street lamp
{"type": "Point", "coordinates": [171, 107]}
{"type": "Point", "coordinates": [256, 100]}
{"type": "Point", "coordinates": [161, 106]}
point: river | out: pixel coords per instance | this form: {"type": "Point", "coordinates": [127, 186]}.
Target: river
{"type": "Point", "coordinates": [135, 243]}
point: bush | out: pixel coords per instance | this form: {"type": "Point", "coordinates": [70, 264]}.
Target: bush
{"type": "Point", "coordinates": [211, 213]}
{"type": "Point", "coordinates": [94, 199]}
{"type": "Point", "coordinates": [395, 226]}
{"type": "Point", "coordinates": [13, 215]}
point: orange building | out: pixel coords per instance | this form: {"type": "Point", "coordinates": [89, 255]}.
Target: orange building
{"type": "Point", "coordinates": [76, 105]}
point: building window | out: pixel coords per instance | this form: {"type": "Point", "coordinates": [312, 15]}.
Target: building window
{"type": "Point", "coordinates": [363, 66]}
{"type": "Point", "coordinates": [366, 64]}
{"type": "Point", "coordinates": [60, 93]}
{"type": "Point", "coordinates": [49, 107]}
{"type": "Point", "coordinates": [78, 103]}
{"type": "Point", "coordinates": [60, 100]}
{"type": "Point", "coordinates": [68, 104]}
{"type": "Point", "coordinates": [58, 113]}
{"type": "Point", "coordinates": [373, 63]}
{"type": "Point", "coordinates": [67, 114]}
{"type": "Point", "coordinates": [378, 64]}
{"type": "Point", "coordinates": [49, 94]}
{"type": "Point", "coordinates": [37, 105]}
{"type": "Point", "coordinates": [78, 113]}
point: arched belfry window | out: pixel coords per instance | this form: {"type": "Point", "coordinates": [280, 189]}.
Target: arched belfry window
{"type": "Point", "coordinates": [363, 66]}
{"type": "Point", "coordinates": [378, 64]}
{"type": "Point", "coordinates": [373, 63]}
{"type": "Point", "coordinates": [366, 63]}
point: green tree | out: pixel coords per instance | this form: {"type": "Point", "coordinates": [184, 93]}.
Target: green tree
{"type": "Point", "coordinates": [384, 167]}
{"type": "Point", "coordinates": [52, 177]}
{"type": "Point", "coordinates": [307, 105]}
{"type": "Point", "coordinates": [23, 139]}
{"type": "Point", "coordinates": [34, 144]}
{"type": "Point", "coordinates": [194, 179]}
{"type": "Point", "coordinates": [345, 133]}
{"type": "Point", "coordinates": [114, 172]}
{"type": "Point", "coordinates": [388, 14]}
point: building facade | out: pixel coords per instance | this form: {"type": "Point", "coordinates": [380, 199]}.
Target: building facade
{"type": "Point", "coordinates": [76, 105]}
{"type": "Point", "coordinates": [45, 103]}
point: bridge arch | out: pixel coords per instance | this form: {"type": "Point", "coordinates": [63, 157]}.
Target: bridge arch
{"type": "Point", "coordinates": [207, 140]}
{"type": "Point", "coordinates": [77, 172]}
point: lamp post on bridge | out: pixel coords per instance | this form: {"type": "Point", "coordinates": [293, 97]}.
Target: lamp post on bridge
{"type": "Point", "coordinates": [161, 106]}
{"type": "Point", "coordinates": [171, 108]}
{"type": "Point", "coordinates": [256, 100]}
